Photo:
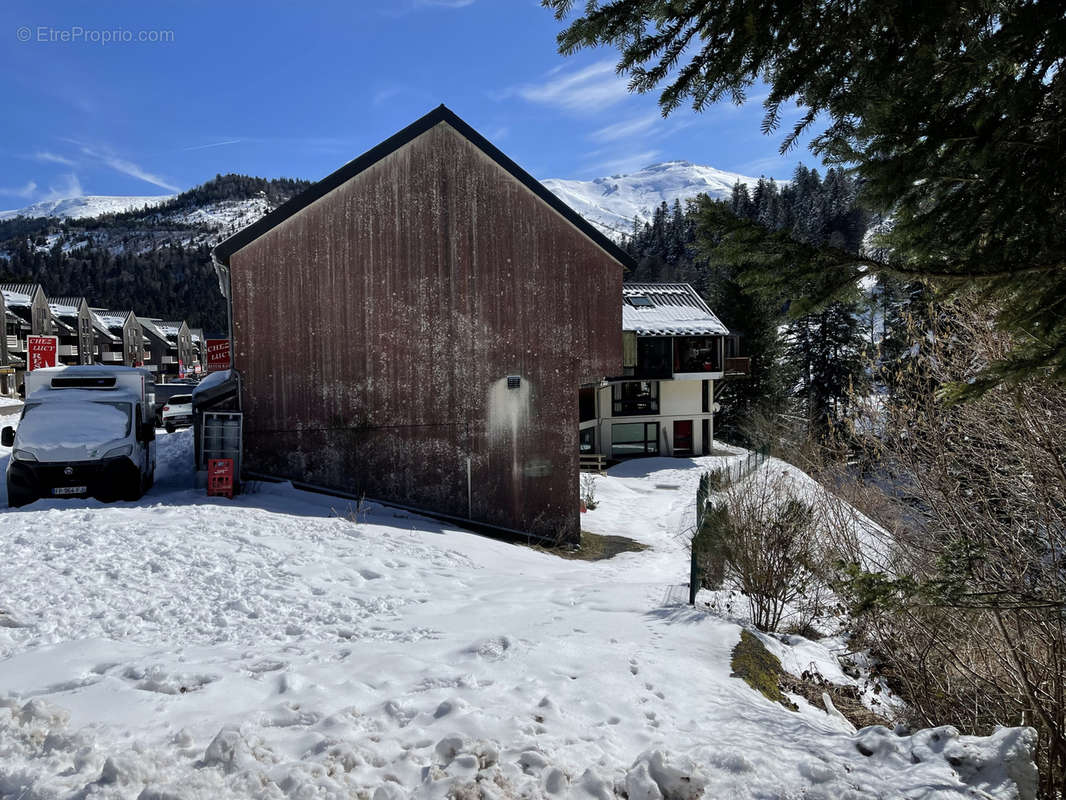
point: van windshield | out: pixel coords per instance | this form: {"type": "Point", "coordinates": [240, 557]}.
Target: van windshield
{"type": "Point", "coordinates": [72, 424]}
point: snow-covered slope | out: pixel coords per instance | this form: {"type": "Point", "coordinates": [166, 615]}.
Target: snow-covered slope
{"type": "Point", "coordinates": [612, 203]}
{"type": "Point", "coordinates": [286, 644]}
{"type": "Point", "coordinates": [85, 207]}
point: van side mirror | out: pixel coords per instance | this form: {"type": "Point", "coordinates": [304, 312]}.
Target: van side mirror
{"type": "Point", "coordinates": [147, 432]}
{"type": "Point", "coordinates": [7, 436]}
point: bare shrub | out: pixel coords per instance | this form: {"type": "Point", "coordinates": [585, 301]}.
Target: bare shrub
{"type": "Point", "coordinates": [757, 536]}
{"type": "Point", "coordinates": [965, 608]}
{"type": "Point", "coordinates": [588, 490]}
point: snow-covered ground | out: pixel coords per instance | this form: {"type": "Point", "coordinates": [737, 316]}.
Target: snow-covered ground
{"type": "Point", "coordinates": [287, 644]}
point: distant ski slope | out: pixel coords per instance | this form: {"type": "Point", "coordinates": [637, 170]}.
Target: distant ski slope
{"type": "Point", "coordinates": [611, 203]}
{"type": "Point", "coordinates": [85, 206]}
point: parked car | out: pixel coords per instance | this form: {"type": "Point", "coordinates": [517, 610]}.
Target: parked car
{"type": "Point", "coordinates": [84, 431]}
{"type": "Point", "coordinates": [177, 412]}
{"type": "Point", "coordinates": [163, 393]}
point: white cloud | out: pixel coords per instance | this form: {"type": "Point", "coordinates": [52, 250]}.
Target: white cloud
{"type": "Point", "coordinates": [128, 168]}
{"type": "Point", "coordinates": [213, 144]}
{"type": "Point", "coordinates": [593, 88]}
{"type": "Point", "coordinates": [626, 128]}
{"type": "Point", "coordinates": [25, 192]}
{"type": "Point", "coordinates": [770, 166]}
{"type": "Point", "coordinates": [44, 155]}
{"type": "Point", "coordinates": [624, 164]}
{"type": "Point", "coordinates": [71, 188]}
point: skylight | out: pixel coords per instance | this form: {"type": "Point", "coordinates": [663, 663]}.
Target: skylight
{"type": "Point", "coordinates": [639, 300]}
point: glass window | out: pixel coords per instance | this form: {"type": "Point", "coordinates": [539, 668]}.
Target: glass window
{"type": "Point", "coordinates": [634, 439]}
{"type": "Point", "coordinates": [586, 403]}
{"type": "Point", "coordinates": [640, 301]}
{"type": "Point", "coordinates": [587, 437]}
{"type": "Point", "coordinates": [654, 357]}
{"type": "Point", "coordinates": [697, 354]}
{"type": "Point", "coordinates": [634, 397]}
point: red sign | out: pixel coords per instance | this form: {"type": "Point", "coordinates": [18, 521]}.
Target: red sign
{"type": "Point", "coordinates": [217, 354]}
{"type": "Point", "coordinates": [41, 351]}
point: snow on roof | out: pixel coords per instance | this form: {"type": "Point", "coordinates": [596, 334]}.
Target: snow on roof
{"type": "Point", "coordinates": [169, 328]}
{"type": "Point", "coordinates": [22, 293]}
{"type": "Point", "coordinates": [112, 319]}
{"type": "Point", "coordinates": [104, 321]}
{"type": "Point", "coordinates": [13, 298]}
{"type": "Point", "coordinates": [213, 379]}
{"type": "Point", "coordinates": [152, 326]}
{"type": "Point", "coordinates": [62, 309]}
{"type": "Point", "coordinates": [667, 309]}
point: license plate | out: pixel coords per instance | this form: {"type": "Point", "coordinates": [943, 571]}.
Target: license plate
{"type": "Point", "coordinates": [70, 490]}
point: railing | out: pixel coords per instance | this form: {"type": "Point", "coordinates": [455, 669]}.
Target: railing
{"type": "Point", "coordinates": [593, 462]}
{"type": "Point", "coordinates": [68, 349]}
{"type": "Point", "coordinates": [703, 563]}
{"type": "Point", "coordinates": [168, 360]}
{"type": "Point", "coordinates": [106, 356]}
{"type": "Point", "coordinates": [738, 366]}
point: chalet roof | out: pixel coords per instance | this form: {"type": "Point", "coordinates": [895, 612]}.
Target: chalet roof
{"type": "Point", "coordinates": [440, 114]}
{"type": "Point", "coordinates": [19, 294]}
{"type": "Point", "coordinates": [151, 327]}
{"type": "Point", "coordinates": [64, 306]}
{"type": "Point", "coordinates": [171, 327]}
{"type": "Point", "coordinates": [667, 309]}
{"type": "Point", "coordinates": [104, 321]}
{"type": "Point", "coordinates": [111, 319]}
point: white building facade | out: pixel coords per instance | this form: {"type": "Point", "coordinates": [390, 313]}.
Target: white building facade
{"type": "Point", "coordinates": [663, 403]}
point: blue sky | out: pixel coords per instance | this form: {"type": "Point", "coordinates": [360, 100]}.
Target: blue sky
{"type": "Point", "coordinates": [297, 89]}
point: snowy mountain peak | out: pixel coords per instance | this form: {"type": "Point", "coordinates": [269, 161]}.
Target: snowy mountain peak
{"type": "Point", "coordinates": [611, 203]}
{"type": "Point", "coordinates": [85, 206]}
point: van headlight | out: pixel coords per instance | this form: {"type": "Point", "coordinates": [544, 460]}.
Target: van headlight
{"type": "Point", "coordinates": [118, 452]}
{"type": "Point", "coordinates": [23, 455]}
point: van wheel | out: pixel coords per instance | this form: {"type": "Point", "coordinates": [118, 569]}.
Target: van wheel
{"type": "Point", "coordinates": [135, 491]}
{"type": "Point", "coordinates": [19, 496]}
{"type": "Point", "coordinates": [170, 427]}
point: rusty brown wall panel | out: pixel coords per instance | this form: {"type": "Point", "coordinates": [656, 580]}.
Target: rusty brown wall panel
{"type": "Point", "coordinates": [373, 330]}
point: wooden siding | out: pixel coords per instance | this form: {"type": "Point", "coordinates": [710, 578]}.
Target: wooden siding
{"type": "Point", "coordinates": [376, 328]}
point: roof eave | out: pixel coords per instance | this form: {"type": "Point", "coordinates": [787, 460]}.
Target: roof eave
{"type": "Point", "coordinates": [223, 250]}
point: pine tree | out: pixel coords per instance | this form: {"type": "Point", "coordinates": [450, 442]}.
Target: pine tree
{"type": "Point", "coordinates": [952, 115]}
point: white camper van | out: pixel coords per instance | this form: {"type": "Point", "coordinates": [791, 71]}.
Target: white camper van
{"type": "Point", "coordinates": [84, 431]}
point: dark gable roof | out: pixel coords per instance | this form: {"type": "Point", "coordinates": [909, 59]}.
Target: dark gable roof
{"type": "Point", "coordinates": [441, 113]}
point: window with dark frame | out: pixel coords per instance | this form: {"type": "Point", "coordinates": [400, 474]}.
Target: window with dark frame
{"type": "Point", "coordinates": [587, 440]}
{"type": "Point", "coordinates": [633, 398]}
{"type": "Point", "coordinates": [630, 439]}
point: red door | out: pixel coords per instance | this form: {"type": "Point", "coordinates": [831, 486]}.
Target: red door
{"type": "Point", "coordinates": [682, 437]}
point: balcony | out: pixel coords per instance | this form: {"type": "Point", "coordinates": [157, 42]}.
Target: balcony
{"type": "Point", "coordinates": [111, 358]}
{"type": "Point", "coordinates": [737, 367]}
{"type": "Point", "coordinates": [68, 349]}
{"type": "Point", "coordinates": [15, 344]}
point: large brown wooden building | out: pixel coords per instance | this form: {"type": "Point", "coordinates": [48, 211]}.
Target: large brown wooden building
{"type": "Point", "coordinates": [415, 326]}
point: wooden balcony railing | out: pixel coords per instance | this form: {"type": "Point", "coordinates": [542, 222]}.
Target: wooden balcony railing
{"type": "Point", "coordinates": [737, 367]}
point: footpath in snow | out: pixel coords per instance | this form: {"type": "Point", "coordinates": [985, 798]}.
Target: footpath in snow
{"type": "Point", "coordinates": [286, 644]}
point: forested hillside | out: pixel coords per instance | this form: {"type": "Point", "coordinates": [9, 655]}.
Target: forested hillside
{"type": "Point", "coordinates": [153, 260]}
{"type": "Point", "coordinates": [807, 359]}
